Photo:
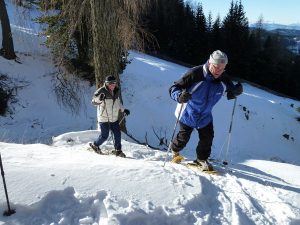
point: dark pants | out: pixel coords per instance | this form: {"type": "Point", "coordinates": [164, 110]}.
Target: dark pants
{"type": "Point", "coordinates": [115, 128]}
{"type": "Point", "coordinates": [206, 135]}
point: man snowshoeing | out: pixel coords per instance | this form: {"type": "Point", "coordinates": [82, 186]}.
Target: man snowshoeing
{"type": "Point", "coordinates": [108, 102]}
{"type": "Point", "coordinates": [197, 92]}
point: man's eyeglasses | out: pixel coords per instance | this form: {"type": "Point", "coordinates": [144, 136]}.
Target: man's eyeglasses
{"type": "Point", "coordinates": [219, 67]}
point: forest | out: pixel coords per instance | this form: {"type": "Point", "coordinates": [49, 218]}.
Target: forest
{"type": "Point", "coordinates": [186, 34]}
{"type": "Point", "coordinates": [94, 43]}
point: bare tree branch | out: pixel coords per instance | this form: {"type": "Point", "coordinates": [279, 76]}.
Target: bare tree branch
{"type": "Point", "coordinates": [162, 140]}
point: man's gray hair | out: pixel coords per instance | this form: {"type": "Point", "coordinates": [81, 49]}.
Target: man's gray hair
{"type": "Point", "coordinates": [218, 57]}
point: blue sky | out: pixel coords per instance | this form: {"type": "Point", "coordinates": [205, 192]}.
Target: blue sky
{"type": "Point", "coordinates": [274, 11]}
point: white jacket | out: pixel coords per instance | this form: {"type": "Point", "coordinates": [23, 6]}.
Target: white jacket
{"type": "Point", "coordinates": [109, 108]}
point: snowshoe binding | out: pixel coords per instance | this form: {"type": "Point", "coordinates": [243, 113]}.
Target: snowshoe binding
{"type": "Point", "coordinates": [202, 166]}
{"type": "Point", "coordinates": [95, 148]}
{"type": "Point", "coordinates": [119, 153]}
{"type": "Point", "coordinates": [177, 158]}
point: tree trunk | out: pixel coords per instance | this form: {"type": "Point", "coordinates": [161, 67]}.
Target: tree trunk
{"type": "Point", "coordinates": [7, 50]}
{"type": "Point", "coordinates": [106, 45]}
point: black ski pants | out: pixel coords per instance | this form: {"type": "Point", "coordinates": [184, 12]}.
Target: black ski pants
{"type": "Point", "coordinates": [206, 135]}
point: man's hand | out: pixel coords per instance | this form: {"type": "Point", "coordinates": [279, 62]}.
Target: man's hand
{"type": "Point", "coordinates": [235, 91]}
{"type": "Point", "coordinates": [126, 112]}
{"type": "Point", "coordinates": [184, 97]}
{"type": "Point", "coordinates": [101, 96]}
{"type": "Point", "coordinates": [238, 89]}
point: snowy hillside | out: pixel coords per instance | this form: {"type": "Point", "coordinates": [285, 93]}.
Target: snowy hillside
{"type": "Point", "coordinates": [66, 184]}
{"type": "Point", "coordinates": [52, 178]}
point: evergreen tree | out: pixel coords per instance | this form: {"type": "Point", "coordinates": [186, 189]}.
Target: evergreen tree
{"type": "Point", "coordinates": [155, 21]}
{"type": "Point", "coordinates": [256, 56]}
{"type": "Point", "coordinates": [172, 24]}
{"type": "Point", "coordinates": [187, 38]}
{"type": "Point", "coordinates": [275, 64]}
{"type": "Point", "coordinates": [216, 36]}
{"type": "Point", "coordinates": [294, 89]}
{"type": "Point", "coordinates": [209, 22]}
{"type": "Point", "coordinates": [236, 33]}
{"type": "Point", "coordinates": [69, 39]}
{"type": "Point", "coordinates": [201, 35]}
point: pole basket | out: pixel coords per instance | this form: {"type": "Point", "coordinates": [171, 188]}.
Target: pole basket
{"type": "Point", "coordinates": [9, 212]}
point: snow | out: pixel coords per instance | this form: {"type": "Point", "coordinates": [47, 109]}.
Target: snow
{"type": "Point", "coordinates": [66, 184]}
{"type": "Point", "coordinates": [52, 179]}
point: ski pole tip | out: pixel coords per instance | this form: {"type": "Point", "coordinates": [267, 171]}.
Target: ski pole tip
{"type": "Point", "coordinates": [9, 212]}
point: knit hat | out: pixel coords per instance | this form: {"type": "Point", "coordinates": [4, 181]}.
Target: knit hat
{"type": "Point", "coordinates": [218, 57]}
{"type": "Point", "coordinates": [110, 79]}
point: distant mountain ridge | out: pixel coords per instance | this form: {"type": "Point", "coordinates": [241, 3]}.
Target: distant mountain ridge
{"type": "Point", "coordinates": [274, 26]}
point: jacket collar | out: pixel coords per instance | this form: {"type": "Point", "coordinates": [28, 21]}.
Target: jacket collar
{"type": "Point", "coordinates": [207, 74]}
{"type": "Point", "coordinates": [205, 69]}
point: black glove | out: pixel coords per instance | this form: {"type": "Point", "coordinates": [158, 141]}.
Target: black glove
{"type": "Point", "coordinates": [101, 96]}
{"type": "Point", "coordinates": [230, 95]}
{"type": "Point", "coordinates": [235, 91]}
{"type": "Point", "coordinates": [238, 89]}
{"type": "Point", "coordinates": [184, 97]}
{"type": "Point", "coordinates": [126, 112]}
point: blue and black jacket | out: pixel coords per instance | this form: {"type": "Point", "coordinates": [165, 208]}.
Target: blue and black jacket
{"type": "Point", "coordinates": [206, 91]}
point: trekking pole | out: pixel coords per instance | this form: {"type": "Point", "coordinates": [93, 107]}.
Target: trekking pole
{"type": "Point", "coordinates": [9, 211]}
{"type": "Point", "coordinates": [225, 162]}
{"type": "Point", "coordinates": [169, 147]}
{"type": "Point", "coordinates": [122, 120]}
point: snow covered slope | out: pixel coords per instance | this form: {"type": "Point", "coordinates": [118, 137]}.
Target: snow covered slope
{"type": "Point", "coordinates": [66, 184]}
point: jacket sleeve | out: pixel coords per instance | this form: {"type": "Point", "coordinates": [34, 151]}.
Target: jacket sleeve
{"type": "Point", "coordinates": [229, 86]}
{"type": "Point", "coordinates": [95, 100]}
{"type": "Point", "coordinates": [121, 105]}
{"type": "Point", "coordinates": [228, 82]}
{"type": "Point", "coordinates": [175, 91]}
{"type": "Point", "coordinates": [189, 78]}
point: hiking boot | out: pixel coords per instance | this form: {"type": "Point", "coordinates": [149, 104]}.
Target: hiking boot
{"type": "Point", "coordinates": [205, 165]}
{"type": "Point", "coordinates": [95, 148]}
{"type": "Point", "coordinates": [177, 158]}
{"type": "Point", "coordinates": [119, 153]}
